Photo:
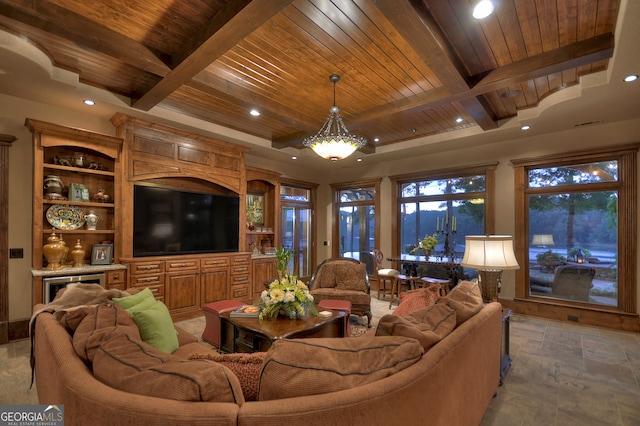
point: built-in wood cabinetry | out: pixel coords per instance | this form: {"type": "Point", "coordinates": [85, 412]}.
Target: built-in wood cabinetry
{"type": "Point", "coordinates": [264, 271]}
{"type": "Point", "coordinates": [265, 184]}
{"type": "Point", "coordinates": [86, 160]}
{"type": "Point", "coordinates": [186, 283]}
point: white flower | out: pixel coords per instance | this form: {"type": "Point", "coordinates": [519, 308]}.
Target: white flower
{"type": "Point", "coordinates": [277, 295]}
{"type": "Point", "coordinates": [289, 296]}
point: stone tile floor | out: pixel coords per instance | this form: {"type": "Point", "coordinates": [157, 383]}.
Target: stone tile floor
{"type": "Point", "coordinates": [562, 374]}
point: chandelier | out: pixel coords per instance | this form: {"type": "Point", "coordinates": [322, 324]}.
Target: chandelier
{"type": "Point", "coordinates": [333, 141]}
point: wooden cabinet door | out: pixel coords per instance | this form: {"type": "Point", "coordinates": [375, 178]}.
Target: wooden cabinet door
{"type": "Point", "coordinates": [182, 291]}
{"type": "Point", "coordinates": [213, 285]}
{"type": "Point", "coordinates": [264, 270]}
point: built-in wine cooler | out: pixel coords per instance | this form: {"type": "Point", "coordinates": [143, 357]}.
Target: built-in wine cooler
{"type": "Point", "coordinates": [51, 285]}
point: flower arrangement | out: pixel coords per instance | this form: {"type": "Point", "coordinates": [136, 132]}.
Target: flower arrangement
{"type": "Point", "coordinates": [282, 257]}
{"type": "Point", "coordinates": [426, 244]}
{"type": "Point", "coordinates": [287, 296]}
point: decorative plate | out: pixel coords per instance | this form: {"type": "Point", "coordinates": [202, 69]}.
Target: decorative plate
{"type": "Point", "coordinates": [65, 217]}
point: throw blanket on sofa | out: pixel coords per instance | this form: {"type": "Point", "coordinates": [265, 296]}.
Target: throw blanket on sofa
{"type": "Point", "coordinates": [73, 296]}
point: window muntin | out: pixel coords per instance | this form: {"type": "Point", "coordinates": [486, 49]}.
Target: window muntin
{"type": "Point", "coordinates": [357, 194]}
{"type": "Point", "coordinates": [292, 193]}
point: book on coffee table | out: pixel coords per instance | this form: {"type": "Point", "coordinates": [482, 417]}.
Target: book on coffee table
{"type": "Point", "coordinates": [245, 311]}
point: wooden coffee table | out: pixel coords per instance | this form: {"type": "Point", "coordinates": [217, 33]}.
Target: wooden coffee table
{"type": "Point", "coordinates": [254, 335]}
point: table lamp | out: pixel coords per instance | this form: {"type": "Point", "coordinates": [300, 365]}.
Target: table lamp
{"type": "Point", "coordinates": [490, 255]}
{"type": "Point", "coordinates": [542, 240]}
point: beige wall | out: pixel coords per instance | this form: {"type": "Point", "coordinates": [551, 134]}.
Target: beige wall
{"type": "Point", "coordinates": [13, 112]}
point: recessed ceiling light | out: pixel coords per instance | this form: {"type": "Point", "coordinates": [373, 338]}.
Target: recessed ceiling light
{"type": "Point", "coordinates": [359, 159]}
{"type": "Point", "coordinates": [293, 157]}
{"type": "Point", "coordinates": [525, 127]}
{"type": "Point", "coordinates": [630, 78]}
{"type": "Point", "coordinates": [376, 139]}
{"type": "Point", "coordinates": [483, 9]}
{"type": "Point", "coordinates": [89, 102]}
{"type": "Point", "coordinates": [459, 120]}
{"type": "Point", "coordinates": [254, 112]}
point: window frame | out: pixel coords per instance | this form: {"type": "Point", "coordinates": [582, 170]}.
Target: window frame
{"type": "Point", "coordinates": [335, 222]}
{"type": "Point", "coordinates": [626, 186]}
{"type": "Point", "coordinates": [489, 170]}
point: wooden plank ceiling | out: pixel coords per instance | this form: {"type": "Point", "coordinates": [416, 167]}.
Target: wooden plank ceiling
{"type": "Point", "coordinates": [408, 68]}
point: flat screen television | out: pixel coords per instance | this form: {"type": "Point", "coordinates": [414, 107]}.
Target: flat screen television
{"type": "Point", "coordinates": [170, 221]}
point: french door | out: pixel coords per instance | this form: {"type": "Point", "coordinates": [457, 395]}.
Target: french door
{"type": "Point", "coordinates": [297, 237]}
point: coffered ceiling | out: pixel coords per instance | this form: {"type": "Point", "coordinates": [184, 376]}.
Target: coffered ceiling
{"type": "Point", "coordinates": [409, 68]}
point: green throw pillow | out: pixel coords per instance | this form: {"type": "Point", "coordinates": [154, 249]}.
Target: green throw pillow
{"type": "Point", "coordinates": [155, 324]}
{"type": "Point", "coordinates": [130, 301]}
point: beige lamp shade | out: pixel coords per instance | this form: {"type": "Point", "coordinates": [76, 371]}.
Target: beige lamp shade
{"type": "Point", "coordinates": [542, 240]}
{"type": "Point", "coordinates": [489, 252]}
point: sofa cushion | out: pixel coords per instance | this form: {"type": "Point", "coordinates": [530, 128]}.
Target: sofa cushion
{"type": "Point", "coordinates": [427, 325]}
{"type": "Point", "coordinates": [133, 366]}
{"type": "Point", "coordinates": [246, 367]}
{"type": "Point", "coordinates": [351, 277]}
{"type": "Point", "coordinates": [152, 318]}
{"type": "Point", "coordinates": [101, 323]}
{"type": "Point", "coordinates": [415, 299]}
{"type": "Point", "coordinates": [465, 299]}
{"type": "Point", "coordinates": [296, 367]}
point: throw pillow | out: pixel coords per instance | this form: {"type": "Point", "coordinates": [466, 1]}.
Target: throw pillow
{"type": "Point", "coordinates": [246, 367]}
{"type": "Point", "coordinates": [136, 367]}
{"type": "Point", "coordinates": [415, 299]}
{"type": "Point", "coordinates": [131, 301]}
{"type": "Point", "coordinates": [351, 277]}
{"type": "Point", "coordinates": [465, 299]}
{"type": "Point", "coordinates": [100, 324]}
{"type": "Point", "coordinates": [427, 325]}
{"type": "Point", "coordinates": [156, 326]}
{"type": "Point", "coordinates": [297, 367]}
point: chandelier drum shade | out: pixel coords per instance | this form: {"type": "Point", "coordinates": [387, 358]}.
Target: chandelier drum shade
{"type": "Point", "coordinates": [333, 141]}
{"type": "Point", "coordinates": [490, 255]}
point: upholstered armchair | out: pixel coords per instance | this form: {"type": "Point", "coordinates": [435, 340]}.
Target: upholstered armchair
{"type": "Point", "coordinates": [343, 278]}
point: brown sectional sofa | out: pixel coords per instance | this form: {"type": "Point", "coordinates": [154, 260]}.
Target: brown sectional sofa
{"type": "Point", "coordinates": [452, 383]}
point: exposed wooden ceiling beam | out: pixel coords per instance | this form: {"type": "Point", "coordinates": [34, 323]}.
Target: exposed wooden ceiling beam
{"type": "Point", "coordinates": [414, 22]}
{"type": "Point", "coordinates": [223, 32]}
{"type": "Point", "coordinates": [416, 25]}
{"type": "Point", "coordinates": [84, 32]}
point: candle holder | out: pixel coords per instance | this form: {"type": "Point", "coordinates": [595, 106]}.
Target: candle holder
{"type": "Point", "coordinates": [449, 232]}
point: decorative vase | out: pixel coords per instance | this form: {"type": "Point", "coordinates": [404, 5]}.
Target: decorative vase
{"type": "Point", "coordinates": [53, 186]}
{"type": "Point", "coordinates": [92, 220]}
{"type": "Point", "coordinates": [53, 251]}
{"type": "Point", "coordinates": [77, 254]}
{"type": "Point", "coordinates": [65, 255]}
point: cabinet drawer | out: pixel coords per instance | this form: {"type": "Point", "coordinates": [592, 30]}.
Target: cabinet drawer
{"type": "Point", "coordinates": [157, 290]}
{"type": "Point", "coordinates": [146, 268]}
{"type": "Point", "coordinates": [241, 260]}
{"type": "Point", "coordinates": [240, 269]}
{"type": "Point", "coordinates": [116, 286]}
{"type": "Point", "coordinates": [214, 262]}
{"type": "Point", "coordinates": [146, 280]}
{"type": "Point", "coordinates": [182, 265]}
{"type": "Point", "coordinates": [239, 291]}
{"type": "Point", "coordinates": [116, 277]}
{"type": "Point", "coordinates": [239, 279]}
